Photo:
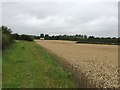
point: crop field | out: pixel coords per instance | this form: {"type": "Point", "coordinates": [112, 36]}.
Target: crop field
{"type": "Point", "coordinates": [94, 65]}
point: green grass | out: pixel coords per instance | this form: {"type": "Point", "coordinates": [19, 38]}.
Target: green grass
{"type": "Point", "coordinates": [27, 65]}
{"type": "Point", "coordinates": [0, 69]}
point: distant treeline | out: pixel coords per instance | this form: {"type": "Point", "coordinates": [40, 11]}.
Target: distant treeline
{"type": "Point", "coordinates": [98, 40]}
{"type": "Point", "coordinates": [22, 37]}
{"type": "Point", "coordinates": [8, 38]}
{"type": "Point", "coordinates": [82, 39]}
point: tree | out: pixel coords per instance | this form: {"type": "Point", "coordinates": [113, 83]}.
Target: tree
{"type": "Point", "coordinates": [91, 37]}
{"type": "Point", "coordinates": [41, 35]}
{"type": "Point", "coordinates": [85, 36]}
{"type": "Point", "coordinates": [26, 37]}
{"type": "Point", "coordinates": [6, 30]}
{"type": "Point", "coordinates": [6, 36]}
{"type": "Point", "coordinates": [16, 36]}
{"type": "Point", "coordinates": [46, 36]}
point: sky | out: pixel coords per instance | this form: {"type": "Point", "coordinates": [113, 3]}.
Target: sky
{"type": "Point", "coordinates": [55, 17]}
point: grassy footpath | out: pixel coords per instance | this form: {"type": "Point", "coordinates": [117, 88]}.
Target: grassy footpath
{"type": "Point", "coordinates": [27, 65]}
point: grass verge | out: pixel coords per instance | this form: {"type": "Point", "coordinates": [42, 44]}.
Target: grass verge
{"type": "Point", "coordinates": [27, 65]}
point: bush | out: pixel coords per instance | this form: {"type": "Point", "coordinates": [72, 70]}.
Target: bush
{"type": "Point", "coordinates": [16, 36]}
{"type": "Point", "coordinates": [5, 41]}
{"type": "Point", "coordinates": [6, 36]}
{"type": "Point", "coordinates": [26, 37]}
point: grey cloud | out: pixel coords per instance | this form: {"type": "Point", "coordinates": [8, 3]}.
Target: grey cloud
{"type": "Point", "coordinates": [99, 19]}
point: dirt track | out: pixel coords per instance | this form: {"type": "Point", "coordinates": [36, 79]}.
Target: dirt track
{"type": "Point", "coordinates": [99, 63]}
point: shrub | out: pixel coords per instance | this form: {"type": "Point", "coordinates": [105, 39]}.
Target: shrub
{"type": "Point", "coordinates": [26, 37]}
{"type": "Point", "coordinates": [6, 36]}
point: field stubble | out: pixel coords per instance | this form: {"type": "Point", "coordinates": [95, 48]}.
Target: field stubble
{"type": "Point", "coordinates": [94, 65]}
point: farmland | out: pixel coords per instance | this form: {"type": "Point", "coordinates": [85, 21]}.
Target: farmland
{"type": "Point", "coordinates": [94, 65]}
{"type": "Point", "coordinates": [27, 65]}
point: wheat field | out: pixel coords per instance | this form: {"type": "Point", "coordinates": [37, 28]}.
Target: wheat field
{"type": "Point", "coordinates": [94, 65]}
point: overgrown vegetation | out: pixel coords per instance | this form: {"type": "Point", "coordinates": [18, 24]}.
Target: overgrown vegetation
{"type": "Point", "coordinates": [27, 65]}
{"type": "Point", "coordinates": [6, 36]}
{"type": "Point", "coordinates": [22, 37]}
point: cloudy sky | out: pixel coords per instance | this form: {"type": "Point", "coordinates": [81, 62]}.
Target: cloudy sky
{"type": "Point", "coordinates": [55, 17]}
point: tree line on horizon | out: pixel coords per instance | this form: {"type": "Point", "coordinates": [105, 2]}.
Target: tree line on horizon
{"type": "Point", "coordinates": [78, 37]}
{"type": "Point", "coordinates": [82, 39]}
{"type": "Point", "coordinates": [8, 38]}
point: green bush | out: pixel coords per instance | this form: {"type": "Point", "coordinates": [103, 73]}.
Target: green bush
{"type": "Point", "coordinates": [26, 37]}
{"type": "Point", "coordinates": [6, 36]}
{"type": "Point", "coordinates": [5, 41]}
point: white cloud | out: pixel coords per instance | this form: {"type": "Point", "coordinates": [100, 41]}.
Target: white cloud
{"type": "Point", "coordinates": [99, 19]}
{"type": "Point", "coordinates": [103, 21]}
{"type": "Point", "coordinates": [61, 0]}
